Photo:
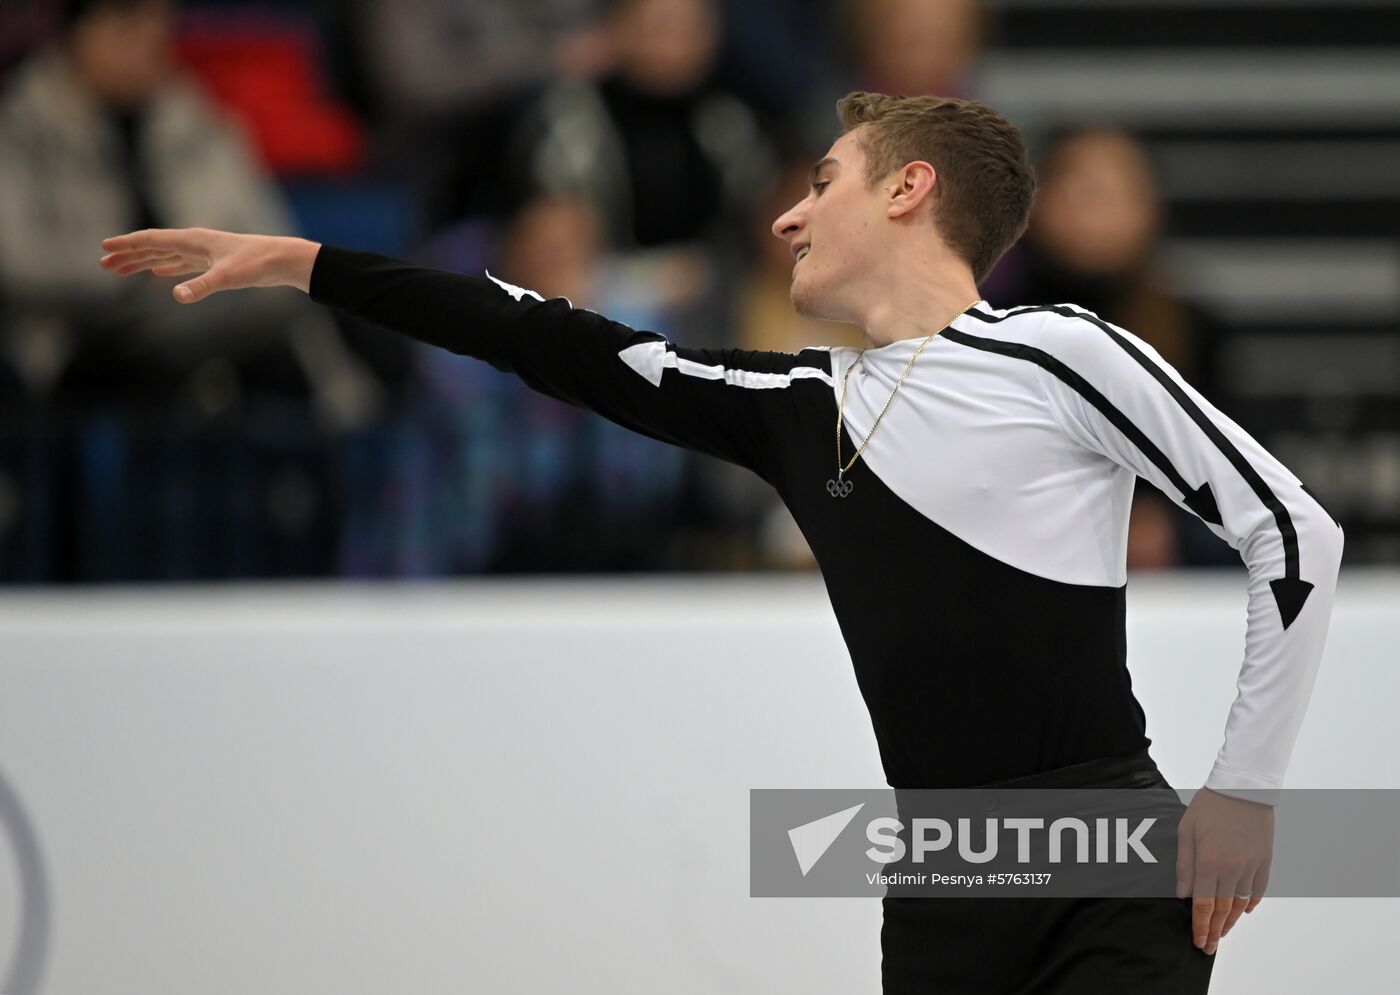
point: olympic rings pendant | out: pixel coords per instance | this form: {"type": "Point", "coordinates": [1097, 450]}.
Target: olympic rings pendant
{"type": "Point", "coordinates": [838, 488]}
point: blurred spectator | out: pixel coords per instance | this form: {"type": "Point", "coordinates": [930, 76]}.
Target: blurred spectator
{"type": "Point", "coordinates": [143, 439]}
{"type": "Point", "coordinates": [916, 46]}
{"type": "Point", "coordinates": [672, 160]}
{"type": "Point", "coordinates": [100, 133]}
{"type": "Point", "coordinates": [668, 156]}
{"type": "Point", "coordinates": [448, 79]}
{"type": "Point", "coordinates": [24, 24]}
{"type": "Point", "coordinates": [1094, 241]}
{"type": "Point", "coordinates": [782, 57]}
{"type": "Point", "coordinates": [427, 56]}
{"type": "Point", "coordinates": [490, 475]}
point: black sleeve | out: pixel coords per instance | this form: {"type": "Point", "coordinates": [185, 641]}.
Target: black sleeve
{"type": "Point", "coordinates": [724, 402]}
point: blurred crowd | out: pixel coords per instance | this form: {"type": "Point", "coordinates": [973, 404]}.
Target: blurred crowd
{"type": "Point", "coordinates": [627, 154]}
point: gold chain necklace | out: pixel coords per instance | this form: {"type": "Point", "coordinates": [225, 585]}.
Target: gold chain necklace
{"type": "Point", "coordinates": [839, 486]}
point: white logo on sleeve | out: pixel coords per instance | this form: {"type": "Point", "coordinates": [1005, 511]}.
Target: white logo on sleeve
{"type": "Point", "coordinates": [519, 293]}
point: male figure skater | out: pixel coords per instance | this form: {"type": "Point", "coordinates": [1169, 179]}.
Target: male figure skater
{"type": "Point", "coordinates": [964, 482]}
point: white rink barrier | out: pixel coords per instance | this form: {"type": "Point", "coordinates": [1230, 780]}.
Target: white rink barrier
{"type": "Point", "coordinates": [526, 786]}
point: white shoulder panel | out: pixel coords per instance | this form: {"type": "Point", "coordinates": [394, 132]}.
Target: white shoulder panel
{"type": "Point", "coordinates": [970, 442]}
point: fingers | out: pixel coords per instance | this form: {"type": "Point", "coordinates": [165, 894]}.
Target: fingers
{"type": "Point", "coordinates": [114, 259]}
{"type": "Point", "coordinates": [1202, 910]}
{"type": "Point", "coordinates": [1252, 887]}
{"type": "Point", "coordinates": [1261, 885]}
{"type": "Point", "coordinates": [1225, 890]}
{"type": "Point", "coordinates": [191, 291]}
{"type": "Point", "coordinates": [166, 251]}
{"type": "Point", "coordinates": [1185, 856]}
{"type": "Point", "coordinates": [1198, 879]}
{"type": "Point", "coordinates": [1213, 905]}
{"type": "Point", "coordinates": [223, 260]}
{"type": "Point", "coordinates": [162, 239]}
{"type": "Point", "coordinates": [1212, 918]}
{"type": "Point", "coordinates": [175, 267]}
{"type": "Point", "coordinates": [194, 291]}
{"type": "Point", "coordinates": [126, 266]}
{"type": "Point", "coordinates": [1238, 905]}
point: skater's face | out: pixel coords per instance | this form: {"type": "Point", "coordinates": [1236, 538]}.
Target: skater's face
{"type": "Point", "coordinates": [827, 230]}
{"type": "Point", "coordinates": [841, 235]}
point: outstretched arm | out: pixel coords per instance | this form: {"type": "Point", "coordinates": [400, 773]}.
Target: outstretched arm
{"type": "Point", "coordinates": [725, 402]}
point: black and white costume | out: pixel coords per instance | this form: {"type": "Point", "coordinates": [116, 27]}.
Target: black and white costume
{"type": "Point", "coordinates": [977, 567]}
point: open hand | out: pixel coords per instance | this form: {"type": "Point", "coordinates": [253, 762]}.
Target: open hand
{"type": "Point", "coordinates": [224, 260]}
{"type": "Point", "coordinates": [1224, 848]}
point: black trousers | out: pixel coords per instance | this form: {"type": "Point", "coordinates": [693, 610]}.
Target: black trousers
{"type": "Point", "coordinates": [1040, 946]}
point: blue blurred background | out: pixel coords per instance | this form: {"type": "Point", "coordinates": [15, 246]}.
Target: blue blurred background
{"type": "Point", "coordinates": [1220, 178]}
